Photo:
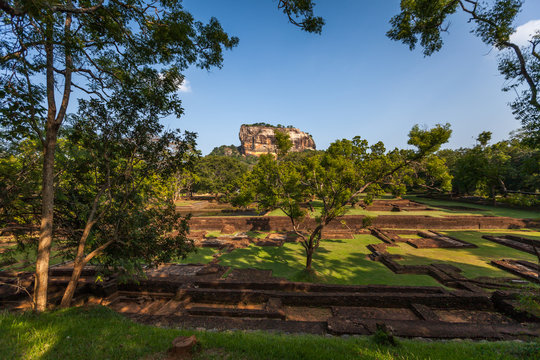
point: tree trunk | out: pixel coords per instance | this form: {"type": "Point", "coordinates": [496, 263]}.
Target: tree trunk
{"type": "Point", "coordinates": [46, 228]}
{"type": "Point", "coordinates": [309, 258]}
{"type": "Point", "coordinates": [54, 121]}
{"type": "Point", "coordinates": [72, 285]}
{"type": "Point", "coordinates": [47, 191]}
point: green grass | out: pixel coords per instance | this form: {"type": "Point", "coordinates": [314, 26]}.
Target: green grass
{"type": "Point", "coordinates": [360, 211]}
{"type": "Point", "coordinates": [203, 255]}
{"type": "Point", "coordinates": [215, 233]}
{"type": "Point", "coordinates": [336, 262]}
{"type": "Point", "coordinates": [482, 209]}
{"type": "Point", "coordinates": [474, 262]}
{"type": "Point", "coordinates": [258, 234]}
{"type": "Point", "coordinates": [99, 333]}
{"type": "Point", "coordinates": [438, 212]}
{"type": "Point", "coordinates": [29, 257]}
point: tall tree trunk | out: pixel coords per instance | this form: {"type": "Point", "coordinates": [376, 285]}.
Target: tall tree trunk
{"type": "Point", "coordinates": [54, 121]}
{"type": "Point", "coordinates": [46, 228]}
{"type": "Point", "coordinates": [47, 192]}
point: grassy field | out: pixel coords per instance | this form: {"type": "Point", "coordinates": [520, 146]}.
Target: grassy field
{"type": "Point", "coordinates": [474, 262]}
{"type": "Point", "coordinates": [336, 261]}
{"type": "Point", "coordinates": [439, 212]}
{"type": "Point", "coordinates": [107, 335]}
{"type": "Point", "coordinates": [482, 209]}
{"type": "Point", "coordinates": [201, 256]}
{"type": "Point", "coordinates": [347, 262]}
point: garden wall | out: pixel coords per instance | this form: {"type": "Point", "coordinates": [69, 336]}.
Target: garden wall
{"type": "Point", "coordinates": [281, 223]}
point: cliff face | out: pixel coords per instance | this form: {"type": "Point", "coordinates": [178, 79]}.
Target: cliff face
{"type": "Point", "coordinates": [258, 140]}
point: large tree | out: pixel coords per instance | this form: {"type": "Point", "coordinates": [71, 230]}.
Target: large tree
{"type": "Point", "coordinates": [336, 177]}
{"type": "Point", "coordinates": [507, 167]}
{"type": "Point", "coordinates": [217, 174]}
{"type": "Point", "coordinates": [109, 205]}
{"type": "Point", "coordinates": [424, 22]}
{"type": "Point", "coordinates": [48, 49]}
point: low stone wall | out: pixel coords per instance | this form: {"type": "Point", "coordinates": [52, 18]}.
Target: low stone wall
{"type": "Point", "coordinates": [355, 223]}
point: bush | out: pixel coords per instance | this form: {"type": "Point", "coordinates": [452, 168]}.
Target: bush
{"type": "Point", "coordinates": [521, 200]}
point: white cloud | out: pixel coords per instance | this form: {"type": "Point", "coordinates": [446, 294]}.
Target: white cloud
{"type": "Point", "coordinates": [525, 32]}
{"type": "Point", "coordinates": [185, 86]}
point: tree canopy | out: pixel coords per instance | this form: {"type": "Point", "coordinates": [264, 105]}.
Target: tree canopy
{"type": "Point", "coordinates": [335, 177]}
{"type": "Point", "coordinates": [424, 21]}
{"type": "Point", "coordinates": [49, 49]}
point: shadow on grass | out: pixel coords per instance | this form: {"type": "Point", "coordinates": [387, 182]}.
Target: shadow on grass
{"type": "Point", "coordinates": [474, 262]}
{"type": "Point", "coordinates": [335, 261]}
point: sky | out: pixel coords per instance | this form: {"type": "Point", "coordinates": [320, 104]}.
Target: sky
{"type": "Point", "coordinates": [350, 80]}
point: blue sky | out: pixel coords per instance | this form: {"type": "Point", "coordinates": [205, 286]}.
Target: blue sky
{"type": "Point", "coordinates": [351, 80]}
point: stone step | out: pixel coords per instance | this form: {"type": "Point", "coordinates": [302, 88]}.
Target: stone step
{"type": "Point", "coordinates": [432, 329]}
{"type": "Point", "coordinates": [242, 313]}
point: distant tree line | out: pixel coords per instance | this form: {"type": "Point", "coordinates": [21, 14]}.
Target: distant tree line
{"type": "Point", "coordinates": [279, 126]}
{"type": "Point", "coordinates": [507, 171]}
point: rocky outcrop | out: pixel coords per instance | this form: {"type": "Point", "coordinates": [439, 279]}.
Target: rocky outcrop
{"type": "Point", "coordinates": [257, 140]}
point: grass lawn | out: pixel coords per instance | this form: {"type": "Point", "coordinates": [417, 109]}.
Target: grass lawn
{"type": "Point", "coordinates": [336, 262]}
{"type": "Point", "coordinates": [439, 212]}
{"type": "Point", "coordinates": [99, 333]}
{"type": "Point", "coordinates": [29, 258]}
{"type": "Point", "coordinates": [360, 211]}
{"type": "Point", "coordinates": [473, 262]}
{"type": "Point", "coordinates": [483, 209]}
{"type": "Point", "coordinates": [203, 255]}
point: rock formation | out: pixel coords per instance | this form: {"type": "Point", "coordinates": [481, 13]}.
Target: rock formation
{"type": "Point", "coordinates": [257, 139]}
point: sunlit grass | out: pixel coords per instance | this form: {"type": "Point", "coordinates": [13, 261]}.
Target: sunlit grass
{"type": "Point", "coordinates": [360, 211]}
{"type": "Point", "coordinates": [336, 261]}
{"type": "Point", "coordinates": [482, 209]}
{"type": "Point", "coordinates": [99, 333]}
{"type": "Point", "coordinates": [474, 262]}
{"type": "Point", "coordinates": [202, 255]}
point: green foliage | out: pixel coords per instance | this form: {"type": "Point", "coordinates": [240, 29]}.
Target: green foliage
{"type": "Point", "coordinates": [19, 182]}
{"type": "Point", "coordinates": [521, 200]}
{"type": "Point", "coordinates": [383, 337]}
{"type": "Point", "coordinates": [335, 177]}
{"type": "Point", "coordinates": [224, 150]}
{"type": "Point", "coordinates": [529, 301]}
{"type": "Point", "coordinates": [484, 138]}
{"type": "Point", "coordinates": [283, 142]}
{"type": "Point", "coordinates": [501, 168]}
{"type": "Point", "coordinates": [218, 174]}
{"type": "Point", "coordinates": [425, 21]}
{"type": "Point", "coordinates": [278, 126]}
{"type": "Point", "coordinates": [367, 221]}
{"type": "Point", "coordinates": [300, 13]}
{"type": "Point", "coordinates": [114, 42]}
{"type": "Point", "coordinates": [429, 141]}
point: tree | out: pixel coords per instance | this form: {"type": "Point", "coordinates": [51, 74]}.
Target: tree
{"type": "Point", "coordinates": [507, 167]}
{"type": "Point", "coordinates": [335, 177]}
{"type": "Point", "coordinates": [431, 174]}
{"type": "Point", "coordinates": [108, 206]}
{"type": "Point", "coordinates": [218, 174]}
{"type": "Point", "coordinates": [90, 46]}
{"type": "Point", "coordinates": [424, 21]}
